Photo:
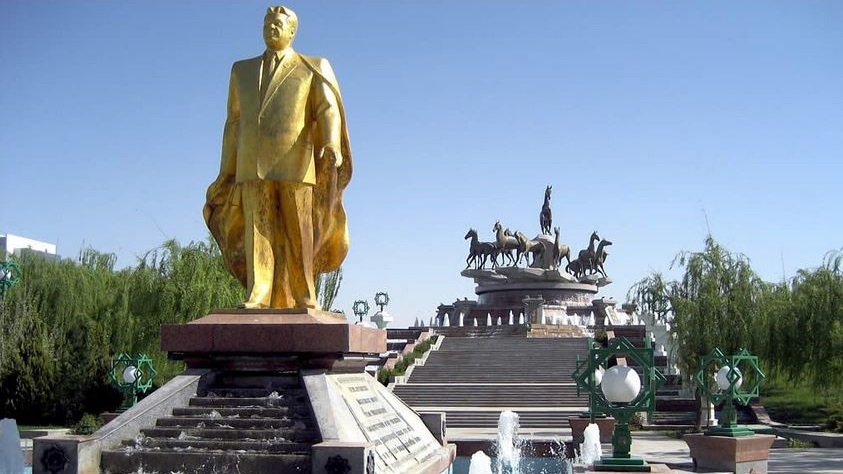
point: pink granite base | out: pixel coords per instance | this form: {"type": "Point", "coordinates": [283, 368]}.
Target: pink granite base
{"type": "Point", "coordinates": [740, 454]}
{"type": "Point", "coordinates": [270, 338]}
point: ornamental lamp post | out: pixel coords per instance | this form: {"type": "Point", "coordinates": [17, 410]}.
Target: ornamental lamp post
{"type": "Point", "coordinates": [721, 379]}
{"type": "Point", "coordinates": [131, 375]}
{"type": "Point", "coordinates": [10, 274]}
{"type": "Point", "coordinates": [360, 309]}
{"type": "Point", "coordinates": [622, 394]}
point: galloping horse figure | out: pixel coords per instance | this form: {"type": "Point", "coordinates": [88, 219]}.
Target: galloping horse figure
{"type": "Point", "coordinates": [478, 251]}
{"type": "Point", "coordinates": [587, 256]}
{"type": "Point", "coordinates": [505, 243]}
{"type": "Point", "coordinates": [601, 257]}
{"type": "Point", "coordinates": [527, 247]}
{"type": "Point", "coordinates": [545, 217]}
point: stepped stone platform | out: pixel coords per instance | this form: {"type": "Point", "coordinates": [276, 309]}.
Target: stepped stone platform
{"type": "Point", "coordinates": [246, 423]}
{"type": "Point", "coordinates": [265, 391]}
{"type": "Point", "coordinates": [473, 379]}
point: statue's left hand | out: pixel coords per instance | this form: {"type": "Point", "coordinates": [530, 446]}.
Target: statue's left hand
{"type": "Point", "coordinates": [330, 152]}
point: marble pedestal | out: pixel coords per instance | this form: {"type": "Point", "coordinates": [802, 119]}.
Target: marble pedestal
{"type": "Point", "coordinates": [273, 339]}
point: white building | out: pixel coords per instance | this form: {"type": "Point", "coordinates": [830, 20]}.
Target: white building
{"type": "Point", "coordinates": [16, 245]}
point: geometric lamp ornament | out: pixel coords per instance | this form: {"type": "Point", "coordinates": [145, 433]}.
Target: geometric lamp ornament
{"type": "Point", "coordinates": [131, 375]}
{"type": "Point", "coordinates": [729, 379]}
{"type": "Point", "coordinates": [627, 386]}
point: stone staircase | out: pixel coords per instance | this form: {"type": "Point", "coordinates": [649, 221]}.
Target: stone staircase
{"type": "Point", "coordinates": [241, 422]}
{"type": "Point", "coordinates": [473, 379]}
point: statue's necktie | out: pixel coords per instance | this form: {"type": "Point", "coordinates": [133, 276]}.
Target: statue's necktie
{"type": "Point", "coordinates": [268, 70]}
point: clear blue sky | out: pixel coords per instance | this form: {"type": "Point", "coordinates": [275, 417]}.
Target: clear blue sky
{"type": "Point", "coordinates": [644, 116]}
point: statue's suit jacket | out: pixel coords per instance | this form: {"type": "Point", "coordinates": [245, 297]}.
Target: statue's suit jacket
{"type": "Point", "coordinates": [273, 134]}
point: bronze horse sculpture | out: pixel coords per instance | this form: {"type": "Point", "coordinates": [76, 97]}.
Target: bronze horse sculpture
{"type": "Point", "coordinates": [506, 244]}
{"type": "Point", "coordinates": [479, 252]}
{"type": "Point", "coordinates": [546, 216]}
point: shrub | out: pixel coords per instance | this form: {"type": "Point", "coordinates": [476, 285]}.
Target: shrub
{"type": "Point", "coordinates": [87, 425]}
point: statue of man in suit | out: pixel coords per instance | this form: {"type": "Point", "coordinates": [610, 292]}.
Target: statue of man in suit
{"type": "Point", "coordinates": [276, 207]}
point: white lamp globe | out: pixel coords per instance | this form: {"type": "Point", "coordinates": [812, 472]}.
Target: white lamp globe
{"type": "Point", "coordinates": [130, 374]}
{"type": "Point", "coordinates": [722, 378]}
{"type": "Point", "coordinates": [621, 384]}
{"type": "Point", "coordinates": [598, 376]}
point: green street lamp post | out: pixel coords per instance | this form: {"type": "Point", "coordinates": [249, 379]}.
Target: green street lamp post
{"type": "Point", "coordinates": [622, 394]}
{"type": "Point", "coordinates": [381, 299]}
{"type": "Point", "coordinates": [131, 375]}
{"type": "Point", "coordinates": [589, 381]}
{"type": "Point", "coordinates": [721, 379]}
{"type": "Point", "coordinates": [360, 308]}
{"type": "Point", "coordinates": [10, 273]}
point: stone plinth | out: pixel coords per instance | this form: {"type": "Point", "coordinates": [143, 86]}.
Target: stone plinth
{"type": "Point", "coordinates": [741, 455]}
{"type": "Point", "coordinates": [579, 423]}
{"type": "Point", "coordinates": [273, 339]}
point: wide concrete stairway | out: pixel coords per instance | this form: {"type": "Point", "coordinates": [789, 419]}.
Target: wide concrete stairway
{"type": "Point", "coordinates": [245, 423]}
{"type": "Point", "coordinates": [473, 379]}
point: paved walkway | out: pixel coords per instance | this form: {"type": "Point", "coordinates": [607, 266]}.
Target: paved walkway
{"type": "Point", "coordinates": [658, 448]}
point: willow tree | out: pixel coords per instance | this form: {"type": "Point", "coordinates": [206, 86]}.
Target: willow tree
{"type": "Point", "coordinates": [807, 333]}
{"type": "Point", "coordinates": [714, 304]}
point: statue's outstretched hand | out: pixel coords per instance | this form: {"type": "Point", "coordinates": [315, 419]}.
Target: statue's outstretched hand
{"type": "Point", "coordinates": [330, 152]}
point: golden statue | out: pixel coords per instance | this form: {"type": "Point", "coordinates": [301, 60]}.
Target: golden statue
{"type": "Point", "coordinates": [276, 207]}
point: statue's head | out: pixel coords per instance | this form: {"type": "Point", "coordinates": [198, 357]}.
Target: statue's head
{"type": "Point", "coordinates": [279, 27]}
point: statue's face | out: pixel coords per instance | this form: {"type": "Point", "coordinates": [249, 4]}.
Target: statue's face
{"type": "Point", "coordinates": [278, 31]}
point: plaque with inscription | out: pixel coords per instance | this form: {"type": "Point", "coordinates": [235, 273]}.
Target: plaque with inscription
{"type": "Point", "coordinates": [400, 439]}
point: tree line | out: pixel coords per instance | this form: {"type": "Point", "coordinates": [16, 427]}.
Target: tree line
{"type": "Point", "coordinates": [794, 326]}
{"type": "Point", "coordinates": [63, 322]}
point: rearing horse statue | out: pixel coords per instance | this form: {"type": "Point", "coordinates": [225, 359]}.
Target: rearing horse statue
{"type": "Point", "coordinates": [546, 217]}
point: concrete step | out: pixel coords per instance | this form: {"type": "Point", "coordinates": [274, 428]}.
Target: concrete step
{"type": "Point", "coordinates": [527, 420]}
{"type": "Point", "coordinates": [489, 395]}
{"type": "Point", "coordinates": [267, 446]}
{"type": "Point", "coordinates": [242, 412]}
{"type": "Point", "coordinates": [288, 399]}
{"type": "Point", "coordinates": [286, 434]}
{"type": "Point", "coordinates": [236, 423]}
{"type": "Point", "coordinates": [165, 460]}
{"type": "Point", "coordinates": [268, 381]}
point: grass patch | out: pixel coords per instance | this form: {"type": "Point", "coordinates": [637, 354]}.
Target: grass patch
{"type": "Point", "coordinates": [795, 404]}
{"type": "Point", "coordinates": [799, 444]}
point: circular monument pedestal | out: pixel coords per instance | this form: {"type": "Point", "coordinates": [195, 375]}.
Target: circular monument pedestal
{"type": "Point", "coordinates": [532, 295]}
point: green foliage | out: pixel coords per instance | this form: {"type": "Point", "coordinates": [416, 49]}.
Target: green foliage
{"type": "Point", "coordinates": [806, 332]}
{"type": "Point", "coordinates": [62, 324]}
{"type": "Point", "coordinates": [401, 366]}
{"type": "Point", "coordinates": [88, 424]}
{"type": "Point", "coordinates": [713, 305]}
{"type": "Point", "coordinates": [327, 288]}
{"type": "Point", "coordinates": [796, 328]}
{"type": "Point", "coordinates": [799, 404]}
{"type": "Point", "coordinates": [794, 443]}
{"type": "Point", "coordinates": [27, 366]}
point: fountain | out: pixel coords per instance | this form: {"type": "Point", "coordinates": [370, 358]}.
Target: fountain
{"type": "Point", "coordinates": [590, 449]}
{"type": "Point", "coordinates": [508, 460]}
{"type": "Point", "coordinates": [513, 453]}
{"type": "Point", "coordinates": [480, 464]}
